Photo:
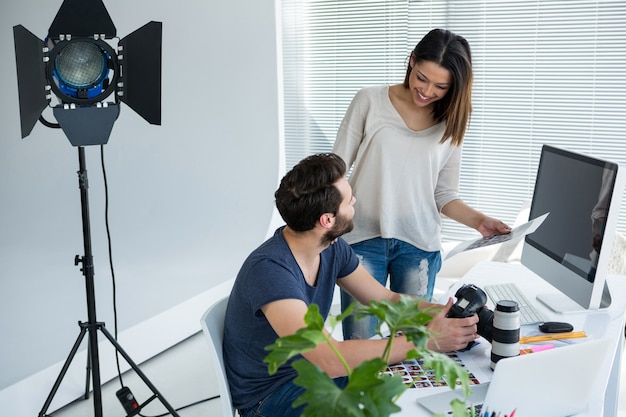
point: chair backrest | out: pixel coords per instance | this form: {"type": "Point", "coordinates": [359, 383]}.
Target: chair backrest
{"type": "Point", "coordinates": [213, 327]}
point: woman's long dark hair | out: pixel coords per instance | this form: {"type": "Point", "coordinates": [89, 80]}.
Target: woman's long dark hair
{"type": "Point", "coordinates": [453, 53]}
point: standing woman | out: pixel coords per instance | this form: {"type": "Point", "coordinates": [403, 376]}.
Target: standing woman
{"type": "Point", "coordinates": [404, 143]}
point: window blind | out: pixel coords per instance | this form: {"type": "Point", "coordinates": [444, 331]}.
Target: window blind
{"type": "Point", "coordinates": [546, 72]}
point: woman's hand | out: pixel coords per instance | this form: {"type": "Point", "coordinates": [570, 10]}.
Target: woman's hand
{"type": "Point", "coordinates": [491, 226]}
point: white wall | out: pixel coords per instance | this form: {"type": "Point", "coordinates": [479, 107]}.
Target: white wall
{"type": "Point", "coordinates": [188, 199]}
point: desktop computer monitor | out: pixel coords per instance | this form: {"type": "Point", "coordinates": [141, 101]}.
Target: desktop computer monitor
{"type": "Point", "coordinates": [572, 247]}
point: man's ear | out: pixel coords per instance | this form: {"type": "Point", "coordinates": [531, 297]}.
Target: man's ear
{"type": "Point", "coordinates": [327, 220]}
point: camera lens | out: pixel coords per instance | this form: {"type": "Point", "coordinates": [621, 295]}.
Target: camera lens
{"type": "Point", "coordinates": [485, 323]}
{"type": "Point", "coordinates": [505, 333]}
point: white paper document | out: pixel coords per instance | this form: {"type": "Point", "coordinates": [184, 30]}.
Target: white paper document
{"type": "Point", "coordinates": [516, 233]}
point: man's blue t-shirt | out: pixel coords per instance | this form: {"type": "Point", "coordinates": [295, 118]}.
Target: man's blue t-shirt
{"type": "Point", "coordinates": [269, 274]}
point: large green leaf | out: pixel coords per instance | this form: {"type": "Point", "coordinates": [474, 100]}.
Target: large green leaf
{"type": "Point", "coordinates": [378, 391]}
{"type": "Point", "coordinates": [369, 393]}
{"type": "Point", "coordinates": [322, 396]}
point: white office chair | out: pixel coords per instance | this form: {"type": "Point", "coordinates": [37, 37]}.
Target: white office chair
{"type": "Point", "coordinates": [213, 327]}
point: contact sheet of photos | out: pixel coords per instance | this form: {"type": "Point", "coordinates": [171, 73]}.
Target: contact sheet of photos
{"type": "Point", "coordinates": [415, 376]}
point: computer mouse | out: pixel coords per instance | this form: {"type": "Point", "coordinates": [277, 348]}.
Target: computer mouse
{"type": "Point", "coordinates": [555, 327]}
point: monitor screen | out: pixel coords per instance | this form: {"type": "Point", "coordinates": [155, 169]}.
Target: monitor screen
{"type": "Point", "coordinates": [571, 248]}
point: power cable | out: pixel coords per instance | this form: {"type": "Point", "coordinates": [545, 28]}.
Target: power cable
{"type": "Point", "coordinates": [114, 287]}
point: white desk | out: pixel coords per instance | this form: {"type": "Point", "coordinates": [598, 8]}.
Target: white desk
{"type": "Point", "coordinates": [605, 323]}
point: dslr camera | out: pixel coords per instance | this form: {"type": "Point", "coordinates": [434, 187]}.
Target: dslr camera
{"type": "Point", "coordinates": [471, 300]}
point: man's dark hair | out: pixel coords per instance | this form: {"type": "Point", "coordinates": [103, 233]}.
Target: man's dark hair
{"type": "Point", "coordinates": [308, 191]}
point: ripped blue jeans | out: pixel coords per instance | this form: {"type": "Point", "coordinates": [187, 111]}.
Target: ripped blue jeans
{"type": "Point", "coordinates": [410, 271]}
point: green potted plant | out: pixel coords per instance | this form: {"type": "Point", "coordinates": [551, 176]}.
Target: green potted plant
{"type": "Point", "coordinates": [370, 391]}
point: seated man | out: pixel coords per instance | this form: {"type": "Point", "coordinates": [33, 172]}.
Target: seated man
{"type": "Point", "coordinates": [298, 266]}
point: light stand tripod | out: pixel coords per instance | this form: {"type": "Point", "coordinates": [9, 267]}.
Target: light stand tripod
{"type": "Point", "coordinates": [92, 325]}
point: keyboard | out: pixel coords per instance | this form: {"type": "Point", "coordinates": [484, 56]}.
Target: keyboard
{"type": "Point", "coordinates": [509, 291]}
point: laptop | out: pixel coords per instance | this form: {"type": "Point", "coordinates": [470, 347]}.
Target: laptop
{"type": "Point", "coordinates": [550, 383]}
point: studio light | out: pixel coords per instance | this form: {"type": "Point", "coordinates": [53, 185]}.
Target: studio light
{"type": "Point", "coordinates": [89, 75]}
{"type": "Point", "coordinates": [81, 71]}
{"type": "Point", "coordinates": [77, 64]}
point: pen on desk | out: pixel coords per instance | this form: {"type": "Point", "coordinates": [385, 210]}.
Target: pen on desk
{"type": "Point", "coordinates": [539, 348]}
{"type": "Point", "coordinates": [554, 336]}
{"type": "Point", "coordinates": [535, 348]}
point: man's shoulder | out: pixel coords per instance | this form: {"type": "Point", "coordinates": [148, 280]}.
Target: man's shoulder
{"type": "Point", "coordinates": [274, 244]}
{"type": "Point", "coordinates": [271, 254]}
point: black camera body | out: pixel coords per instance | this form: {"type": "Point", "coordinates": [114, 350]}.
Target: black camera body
{"type": "Point", "coordinates": [471, 300]}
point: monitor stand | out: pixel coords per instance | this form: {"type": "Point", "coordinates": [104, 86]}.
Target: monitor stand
{"type": "Point", "coordinates": [562, 304]}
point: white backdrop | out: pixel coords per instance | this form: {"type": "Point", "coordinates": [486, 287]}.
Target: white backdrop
{"type": "Point", "coordinates": [188, 199]}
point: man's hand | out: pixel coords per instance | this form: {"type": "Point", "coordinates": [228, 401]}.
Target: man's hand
{"type": "Point", "coordinates": [450, 334]}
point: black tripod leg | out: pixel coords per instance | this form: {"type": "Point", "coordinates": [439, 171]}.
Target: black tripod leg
{"type": "Point", "coordinates": [141, 375]}
{"type": "Point", "coordinates": [66, 366]}
{"type": "Point", "coordinates": [88, 373]}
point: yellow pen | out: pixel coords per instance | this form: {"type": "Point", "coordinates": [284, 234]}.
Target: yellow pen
{"type": "Point", "coordinates": [554, 336]}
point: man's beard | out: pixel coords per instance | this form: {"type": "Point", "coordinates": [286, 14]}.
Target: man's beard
{"type": "Point", "coordinates": [342, 226]}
